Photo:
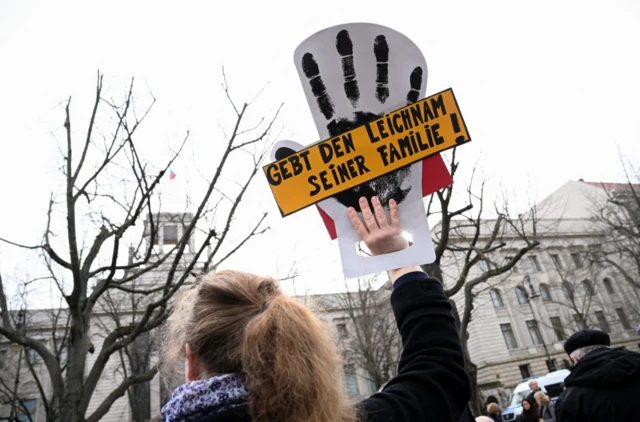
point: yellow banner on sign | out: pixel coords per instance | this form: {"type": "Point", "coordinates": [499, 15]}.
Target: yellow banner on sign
{"type": "Point", "coordinates": [393, 141]}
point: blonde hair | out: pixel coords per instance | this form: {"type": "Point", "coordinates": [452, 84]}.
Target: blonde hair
{"type": "Point", "coordinates": [240, 322]}
{"type": "Point", "coordinates": [541, 398]}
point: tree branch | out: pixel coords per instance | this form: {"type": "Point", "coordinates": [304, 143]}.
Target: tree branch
{"type": "Point", "coordinates": [119, 392]}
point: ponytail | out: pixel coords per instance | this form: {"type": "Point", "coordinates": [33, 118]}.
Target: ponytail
{"type": "Point", "coordinates": [239, 322]}
{"type": "Point", "coordinates": [291, 367]}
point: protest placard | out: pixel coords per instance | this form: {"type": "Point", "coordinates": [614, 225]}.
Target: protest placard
{"type": "Point", "coordinates": [365, 85]}
{"type": "Point", "coordinates": [367, 152]}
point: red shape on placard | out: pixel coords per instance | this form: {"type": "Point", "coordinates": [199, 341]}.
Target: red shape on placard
{"type": "Point", "coordinates": [435, 176]}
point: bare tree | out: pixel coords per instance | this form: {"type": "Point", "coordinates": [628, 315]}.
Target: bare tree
{"type": "Point", "coordinates": [20, 364]}
{"type": "Point", "coordinates": [465, 238]}
{"type": "Point", "coordinates": [374, 343]}
{"type": "Point", "coordinates": [110, 192]}
{"type": "Point", "coordinates": [619, 216]}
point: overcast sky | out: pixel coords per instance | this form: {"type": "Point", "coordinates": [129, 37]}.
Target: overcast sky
{"type": "Point", "coordinates": [549, 89]}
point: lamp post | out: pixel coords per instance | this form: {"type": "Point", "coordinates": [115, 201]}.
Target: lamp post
{"type": "Point", "coordinates": [550, 364]}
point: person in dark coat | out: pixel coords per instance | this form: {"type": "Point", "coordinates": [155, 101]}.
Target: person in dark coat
{"type": "Point", "coordinates": [253, 354]}
{"type": "Point", "coordinates": [533, 385]}
{"type": "Point", "coordinates": [490, 399]}
{"type": "Point", "coordinates": [604, 384]}
{"type": "Point", "coordinates": [529, 412]}
{"type": "Point", "coordinates": [494, 412]}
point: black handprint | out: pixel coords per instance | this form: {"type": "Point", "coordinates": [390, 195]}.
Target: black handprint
{"type": "Point", "coordinates": [385, 187]}
{"type": "Point", "coordinates": [381, 50]}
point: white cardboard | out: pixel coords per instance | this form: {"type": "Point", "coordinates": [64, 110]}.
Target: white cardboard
{"type": "Point", "coordinates": [403, 59]}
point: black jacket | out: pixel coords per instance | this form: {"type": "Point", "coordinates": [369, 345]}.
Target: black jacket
{"type": "Point", "coordinates": [603, 386]}
{"type": "Point", "coordinates": [431, 384]}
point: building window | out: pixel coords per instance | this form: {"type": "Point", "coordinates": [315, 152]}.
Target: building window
{"type": "Point", "coordinates": [577, 260]}
{"type": "Point", "coordinates": [20, 322]}
{"type": "Point", "coordinates": [170, 232]}
{"type": "Point", "coordinates": [372, 384]}
{"type": "Point", "coordinates": [509, 338]}
{"type": "Point", "coordinates": [33, 357]}
{"type": "Point", "coordinates": [64, 353]}
{"type": "Point", "coordinates": [580, 322]}
{"type": "Point", "coordinates": [26, 410]}
{"type": "Point", "coordinates": [525, 371]}
{"type": "Point", "coordinates": [342, 331]}
{"type": "Point", "coordinates": [534, 331]}
{"type": "Point", "coordinates": [544, 292]}
{"type": "Point", "coordinates": [535, 265]}
{"type": "Point", "coordinates": [602, 322]}
{"type": "Point", "coordinates": [506, 261]}
{"type": "Point", "coordinates": [551, 365]}
{"type": "Point", "coordinates": [496, 298]}
{"type": "Point", "coordinates": [567, 290]}
{"type": "Point", "coordinates": [588, 287]}
{"type": "Point", "coordinates": [351, 380]}
{"type": "Point", "coordinates": [623, 319]}
{"type": "Point", "coordinates": [484, 265]}
{"type": "Point", "coordinates": [608, 286]}
{"type": "Point", "coordinates": [3, 358]}
{"type": "Point", "coordinates": [558, 329]}
{"type": "Point", "coordinates": [521, 295]}
{"type": "Point", "coordinates": [557, 263]}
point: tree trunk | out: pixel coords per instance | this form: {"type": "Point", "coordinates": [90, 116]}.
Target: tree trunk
{"type": "Point", "coordinates": [472, 369]}
{"type": "Point", "coordinates": [71, 399]}
{"type": "Point", "coordinates": [474, 402]}
{"type": "Point", "coordinates": [433, 270]}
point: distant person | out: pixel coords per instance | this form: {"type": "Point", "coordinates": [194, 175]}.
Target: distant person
{"type": "Point", "coordinates": [490, 399]}
{"type": "Point", "coordinates": [604, 384]}
{"type": "Point", "coordinates": [546, 406]}
{"type": "Point", "coordinates": [529, 411]}
{"type": "Point", "coordinates": [494, 412]}
{"type": "Point", "coordinates": [533, 385]}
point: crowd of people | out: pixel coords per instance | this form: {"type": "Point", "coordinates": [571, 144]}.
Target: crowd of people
{"type": "Point", "coordinates": [251, 353]}
{"type": "Point", "coordinates": [600, 387]}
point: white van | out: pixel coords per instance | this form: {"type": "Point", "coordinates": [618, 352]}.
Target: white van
{"type": "Point", "coordinates": [551, 384]}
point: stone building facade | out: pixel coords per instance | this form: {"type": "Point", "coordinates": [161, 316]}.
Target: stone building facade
{"type": "Point", "coordinates": [520, 322]}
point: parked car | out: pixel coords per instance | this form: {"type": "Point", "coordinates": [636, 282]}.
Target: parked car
{"type": "Point", "coordinates": [551, 384]}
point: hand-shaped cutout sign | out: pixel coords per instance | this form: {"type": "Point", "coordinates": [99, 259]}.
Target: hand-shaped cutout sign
{"type": "Point", "coordinates": [353, 74]}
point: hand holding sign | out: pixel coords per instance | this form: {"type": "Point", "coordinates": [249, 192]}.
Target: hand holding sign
{"type": "Point", "coordinates": [381, 235]}
{"type": "Point", "coordinates": [364, 84]}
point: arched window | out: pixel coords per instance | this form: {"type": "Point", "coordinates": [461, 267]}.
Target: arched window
{"type": "Point", "coordinates": [588, 287]}
{"type": "Point", "coordinates": [608, 285]}
{"type": "Point", "coordinates": [496, 298]}
{"type": "Point", "coordinates": [544, 292]}
{"type": "Point", "coordinates": [521, 295]}
{"type": "Point", "coordinates": [566, 289]}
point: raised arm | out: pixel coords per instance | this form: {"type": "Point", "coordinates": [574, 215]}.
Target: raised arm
{"type": "Point", "coordinates": [431, 383]}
